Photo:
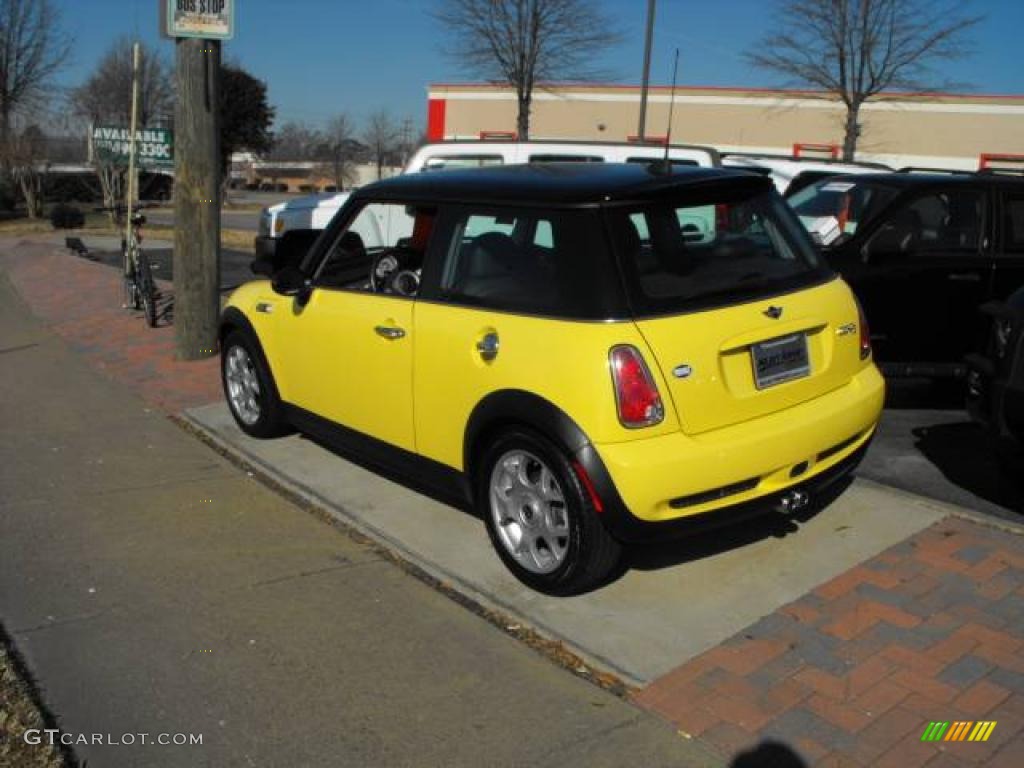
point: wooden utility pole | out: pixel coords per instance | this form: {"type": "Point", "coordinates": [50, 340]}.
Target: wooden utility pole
{"type": "Point", "coordinates": [197, 198]}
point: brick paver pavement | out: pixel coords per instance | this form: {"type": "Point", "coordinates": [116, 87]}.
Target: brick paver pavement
{"type": "Point", "coordinates": [81, 301]}
{"type": "Point", "coordinates": [851, 673]}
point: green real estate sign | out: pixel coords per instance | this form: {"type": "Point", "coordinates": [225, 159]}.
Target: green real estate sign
{"type": "Point", "coordinates": [154, 147]}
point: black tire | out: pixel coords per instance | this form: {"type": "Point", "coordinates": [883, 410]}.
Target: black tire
{"type": "Point", "coordinates": [270, 421]}
{"type": "Point", "coordinates": [591, 554]}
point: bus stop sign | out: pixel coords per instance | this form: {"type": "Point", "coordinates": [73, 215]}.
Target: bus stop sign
{"type": "Point", "coordinates": [206, 19]}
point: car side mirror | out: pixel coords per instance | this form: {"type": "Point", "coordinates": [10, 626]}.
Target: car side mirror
{"type": "Point", "coordinates": [263, 267]}
{"type": "Point", "coordinates": [292, 281]}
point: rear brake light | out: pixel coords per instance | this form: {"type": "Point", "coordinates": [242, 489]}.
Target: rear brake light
{"type": "Point", "coordinates": [636, 394]}
{"type": "Point", "coordinates": [865, 334]}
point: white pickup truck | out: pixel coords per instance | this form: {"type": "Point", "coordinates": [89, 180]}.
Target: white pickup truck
{"type": "Point", "coordinates": [291, 226]}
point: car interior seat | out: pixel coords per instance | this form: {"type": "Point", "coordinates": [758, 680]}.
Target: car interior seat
{"type": "Point", "coordinates": [962, 223]}
{"type": "Point", "coordinates": [907, 226]}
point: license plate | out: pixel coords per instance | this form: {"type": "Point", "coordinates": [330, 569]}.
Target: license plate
{"type": "Point", "coordinates": [780, 360]}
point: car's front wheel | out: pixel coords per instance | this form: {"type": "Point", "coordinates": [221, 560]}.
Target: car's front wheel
{"type": "Point", "coordinates": [540, 519]}
{"type": "Point", "coordinates": [249, 388]}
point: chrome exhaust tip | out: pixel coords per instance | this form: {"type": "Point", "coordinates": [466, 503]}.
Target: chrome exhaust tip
{"type": "Point", "coordinates": [793, 501]}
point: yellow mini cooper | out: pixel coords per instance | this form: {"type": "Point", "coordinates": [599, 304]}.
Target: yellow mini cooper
{"type": "Point", "coordinates": [589, 354]}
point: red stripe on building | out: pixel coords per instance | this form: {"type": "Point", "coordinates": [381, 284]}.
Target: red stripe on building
{"type": "Point", "coordinates": [435, 119]}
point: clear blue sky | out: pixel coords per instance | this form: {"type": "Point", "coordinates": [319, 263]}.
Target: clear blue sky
{"type": "Point", "coordinates": [320, 57]}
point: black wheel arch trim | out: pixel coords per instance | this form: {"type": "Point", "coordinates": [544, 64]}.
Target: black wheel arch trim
{"type": "Point", "coordinates": [232, 319]}
{"type": "Point", "coordinates": [518, 407]}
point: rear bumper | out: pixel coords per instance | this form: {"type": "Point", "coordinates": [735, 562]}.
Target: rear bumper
{"type": "Point", "coordinates": [677, 484]}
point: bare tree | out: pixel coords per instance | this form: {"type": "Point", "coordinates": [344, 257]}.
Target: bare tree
{"type": "Point", "coordinates": [28, 166]}
{"type": "Point", "coordinates": [859, 49]}
{"type": "Point", "coordinates": [106, 97]}
{"type": "Point", "coordinates": [381, 135]}
{"type": "Point", "coordinates": [338, 150]}
{"type": "Point", "coordinates": [521, 43]}
{"type": "Point", "coordinates": [295, 141]}
{"type": "Point", "coordinates": [32, 50]}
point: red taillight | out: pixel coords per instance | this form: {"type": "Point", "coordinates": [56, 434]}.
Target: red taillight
{"type": "Point", "coordinates": [636, 394]}
{"type": "Point", "coordinates": [865, 334]}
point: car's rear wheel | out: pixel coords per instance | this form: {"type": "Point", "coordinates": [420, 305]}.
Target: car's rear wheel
{"type": "Point", "coordinates": [249, 388]}
{"type": "Point", "coordinates": [540, 519]}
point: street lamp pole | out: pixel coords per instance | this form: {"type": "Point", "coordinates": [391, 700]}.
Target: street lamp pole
{"type": "Point", "coordinates": [647, 70]}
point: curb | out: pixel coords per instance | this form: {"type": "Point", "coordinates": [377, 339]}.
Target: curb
{"type": "Point", "coordinates": [953, 510]}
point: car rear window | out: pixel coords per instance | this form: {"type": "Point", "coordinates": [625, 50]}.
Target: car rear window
{"type": "Point", "coordinates": [715, 249]}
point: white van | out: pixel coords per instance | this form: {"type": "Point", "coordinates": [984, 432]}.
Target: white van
{"type": "Point", "coordinates": [297, 220]}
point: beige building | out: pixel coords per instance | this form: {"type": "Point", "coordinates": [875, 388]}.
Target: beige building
{"type": "Point", "coordinates": [932, 130]}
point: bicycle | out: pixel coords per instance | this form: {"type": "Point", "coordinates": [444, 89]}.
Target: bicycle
{"type": "Point", "coordinates": [140, 288]}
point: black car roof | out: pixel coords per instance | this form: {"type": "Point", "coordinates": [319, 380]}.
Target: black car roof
{"type": "Point", "coordinates": [554, 183]}
{"type": "Point", "coordinates": [904, 180]}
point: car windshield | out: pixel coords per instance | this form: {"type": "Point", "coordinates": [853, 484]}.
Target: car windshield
{"type": "Point", "coordinates": [720, 248]}
{"type": "Point", "coordinates": [833, 209]}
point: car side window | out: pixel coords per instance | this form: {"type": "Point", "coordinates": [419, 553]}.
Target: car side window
{"type": "Point", "coordinates": [1013, 224]}
{"type": "Point", "coordinates": [947, 220]}
{"type": "Point", "coordinates": [381, 250]}
{"type": "Point", "coordinates": [544, 262]}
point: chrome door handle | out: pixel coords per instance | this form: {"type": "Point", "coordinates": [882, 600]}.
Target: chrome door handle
{"type": "Point", "coordinates": [964, 277]}
{"type": "Point", "coordinates": [488, 346]}
{"type": "Point", "coordinates": [389, 332]}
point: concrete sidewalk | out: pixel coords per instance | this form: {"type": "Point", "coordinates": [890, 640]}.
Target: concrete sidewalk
{"type": "Point", "coordinates": [713, 585]}
{"type": "Point", "coordinates": [154, 588]}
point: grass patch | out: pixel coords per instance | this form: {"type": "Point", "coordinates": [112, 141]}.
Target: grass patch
{"type": "Point", "coordinates": [98, 223]}
{"type": "Point", "coordinates": [235, 239]}
{"type": "Point", "coordinates": [19, 712]}
{"type": "Point", "coordinates": [95, 222]}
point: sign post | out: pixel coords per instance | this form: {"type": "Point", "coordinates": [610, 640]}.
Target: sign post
{"type": "Point", "coordinates": [198, 26]}
{"type": "Point", "coordinates": [133, 176]}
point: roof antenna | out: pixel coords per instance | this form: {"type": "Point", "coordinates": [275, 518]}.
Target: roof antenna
{"type": "Point", "coordinates": [665, 166]}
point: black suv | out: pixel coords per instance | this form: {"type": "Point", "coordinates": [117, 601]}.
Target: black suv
{"type": "Point", "coordinates": [922, 251]}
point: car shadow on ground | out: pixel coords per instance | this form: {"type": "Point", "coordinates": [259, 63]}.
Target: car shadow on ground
{"type": "Point", "coordinates": [967, 456]}
{"type": "Point", "coordinates": [933, 420]}
{"type": "Point", "coordinates": [447, 496]}
{"type": "Point", "coordinates": [665, 554]}
{"type": "Point", "coordinates": [647, 556]}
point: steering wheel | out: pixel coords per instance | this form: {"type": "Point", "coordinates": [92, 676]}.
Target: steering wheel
{"type": "Point", "coordinates": [393, 272]}
{"type": "Point", "coordinates": [385, 265]}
